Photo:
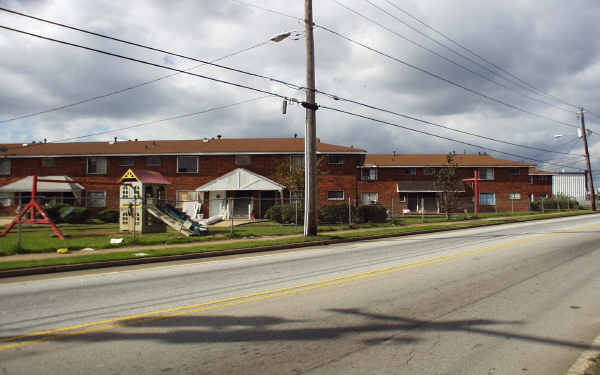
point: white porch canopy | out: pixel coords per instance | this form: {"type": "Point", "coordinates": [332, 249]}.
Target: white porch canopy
{"type": "Point", "coordinates": [24, 185]}
{"type": "Point", "coordinates": [241, 179]}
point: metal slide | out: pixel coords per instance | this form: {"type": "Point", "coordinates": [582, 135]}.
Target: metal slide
{"type": "Point", "coordinates": [177, 221]}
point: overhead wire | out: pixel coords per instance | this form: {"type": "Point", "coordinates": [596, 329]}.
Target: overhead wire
{"type": "Point", "coordinates": [153, 122]}
{"type": "Point", "coordinates": [133, 87]}
{"type": "Point", "coordinates": [271, 93]}
{"type": "Point", "coordinates": [440, 55]}
{"type": "Point", "coordinates": [434, 135]}
{"type": "Point", "coordinates": [443, 35]}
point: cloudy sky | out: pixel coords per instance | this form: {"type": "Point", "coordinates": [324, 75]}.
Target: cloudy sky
{"type": "Point", "coordinates": [370, 51]}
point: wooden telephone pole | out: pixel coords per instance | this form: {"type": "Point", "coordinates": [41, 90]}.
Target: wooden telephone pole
{"type": "Point", "coordinates": [310, 137]}
{"type": "Point", "coordinates": [587, 159]}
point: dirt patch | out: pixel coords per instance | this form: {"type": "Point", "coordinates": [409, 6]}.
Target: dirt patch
{"type": "Point", "coordinates": [594, 369]}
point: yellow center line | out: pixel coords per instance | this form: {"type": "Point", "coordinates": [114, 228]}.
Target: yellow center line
{"type": "Point", "coordinates": [135, 319]}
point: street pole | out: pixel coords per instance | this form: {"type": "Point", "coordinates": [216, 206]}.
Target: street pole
{"type": "Point", "coordinates": [587, 159]}
{"type": "Point", "coordinates": [310, 143]}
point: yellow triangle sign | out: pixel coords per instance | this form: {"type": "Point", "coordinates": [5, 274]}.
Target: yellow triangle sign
{"type": "Point", "coordinates": [128, 176]}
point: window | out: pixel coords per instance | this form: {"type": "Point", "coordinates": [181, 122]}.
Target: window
{"type": "Point", "coordinates": [297, 162]}
{"type": "Point", "coordinates": [370, 198]}
{"type": "Point", "coordinates": [187, 164]}
{"type": "Point", "coordinates": [186, 196]}
{"type": "Point", "coordinates": [335, 159]}
{"type": "Point", "coordinates": [403, 197]}
{"type": "Point", "coordinates": [487, 199]}
{"type": "Point", "coordinates": [96, 165]}
{"type": "Point", "coordinates": [430, 171]}
{"type": "Point", "coordinates": [486, 173]}
{"type": "Point", "coordinates": [5, 200]}
{"type": "Point", "coordinates": [242, 160]}
{"type": "Point", "coordinates": [514, 171]}
{"type": "Point", "coordinates": [514, 196]}
{"type": "Point", "coordinates": [96, 199]}
{"type": "Point", "coordinates": [5, 167]}
{"type": "Point", "coordinates": [48, 162]}
{"type": "Point", "coordinates": [153, 161]}
{"type": "Point", "coordinates": [335, 195]}
{"type": "Point", "coordinates": [126, 162]}
{"type": "Point", "coordinates": [369, 174]}
{"type": "Point", "coordinates": [410, 171]}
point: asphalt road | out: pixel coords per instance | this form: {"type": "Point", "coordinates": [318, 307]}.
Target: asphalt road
{"type": "Point", "coordinates": [511, 299]}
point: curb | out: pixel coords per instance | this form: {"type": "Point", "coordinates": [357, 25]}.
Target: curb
{"type": "Point", "coordinates": [585, 360]}
{"type": "Point", "coordinates": [212, 254]}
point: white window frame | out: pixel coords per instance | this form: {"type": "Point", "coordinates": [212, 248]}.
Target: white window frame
{"type": "Point", "coordinates": [97, 159]}
{"type": "Point", "coordinates": [369, 198]}
{"type": "Point", "coordinates": [179, 203]}
{"type": "Point", "coordinates": [411, 171]}
{"type": "Point", "coordinates": [187, 157]}
{"type": "Point", "coordinates": [514, 196]}
{"type": "Point", "coordinates": [125, 161]}
{"type": "Point", "coordinates": [335, 198]}
{"type": "Point", "coordinates": [5, 165]}
{"type": "Point", "coordinates": [243, 160]}
{"type": "Point", "coordinates": [488, 172]}
{"type": "Point", "coordinates": [89, 199]}
{"type": "Point", "coordinates": [485, 203]}
{"type": "Point", "coordinates": [335, 159]}
{"type": "Point", "coordinates": [369, 174]}
{"type": "Point", "coordinates": [5, 199]}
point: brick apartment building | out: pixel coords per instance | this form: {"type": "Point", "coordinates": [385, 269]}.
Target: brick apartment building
{"type": "Point", "coordinates": [195, 168]}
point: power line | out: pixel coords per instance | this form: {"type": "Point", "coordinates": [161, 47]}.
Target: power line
{"type": "Point", "coordinates": [149, 63]}
{"type": "Point", "coordinates": [130, 87]}
{"type": "Point", "coordinates": [434, 135]}
{"type": "Point", "coordinates": [271, 93]}
{"type": "Point", "coordinates": [528, 85]}
{"type": "Point", "coordinates": [437, 76]}
{"type": "Point", "coordinates": [442, 56]}
{"type": "Point", "coordinates": [177, 117]}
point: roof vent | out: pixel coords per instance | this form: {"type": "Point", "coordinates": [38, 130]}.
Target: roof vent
{"type": "Point", "coordinates": [205, 140]}
{"type": "Point", "coordinates": [45, 140]}
{"type": "Point", "coordinates": [295, 135]}
{"type": "Point", "coordinates": [115, 139]}
{"type": "Point", "coordinates": [219, 136]}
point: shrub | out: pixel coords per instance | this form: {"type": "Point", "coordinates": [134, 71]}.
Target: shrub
{"type": "Point", "coordinates": [274, 213]}
{"type": "Point", "coordinates": [335, 214]}
{"type": "Point", "coordinates": [108, 216]}
{"type": "Point", "coordinates": [372, 213]}
{"type": "Point", "coordinates": [285, 214]}
{"type": "Point", "coordinates": [75, 215]}
{"type": "Point", "coordinates": [53, 211]}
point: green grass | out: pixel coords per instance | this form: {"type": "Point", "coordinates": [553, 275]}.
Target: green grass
{"type": "Point", "coordinates": [266, 229]}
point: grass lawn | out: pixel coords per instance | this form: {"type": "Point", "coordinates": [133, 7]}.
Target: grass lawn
{"type": "Point", "coordinates": [37, 239]}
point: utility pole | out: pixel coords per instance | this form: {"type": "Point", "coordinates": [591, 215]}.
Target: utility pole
{"type": "Point", "coordinates": [587, 159]}
{"type": "Point", "coordinates": [310, 142]}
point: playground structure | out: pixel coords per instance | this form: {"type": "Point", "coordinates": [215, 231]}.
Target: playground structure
{"type": "Point", "coordinates": [143, 209]}
{"type": "Point", "coordinates": [475, 180]}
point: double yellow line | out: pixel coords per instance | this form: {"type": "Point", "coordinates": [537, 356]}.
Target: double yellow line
{"type": "Point", "coordinates": [104, 325]}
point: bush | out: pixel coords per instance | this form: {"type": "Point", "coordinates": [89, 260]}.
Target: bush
{"type": "Point", "coordinates": [555, 202]}
{"type": "Point", "coordinates": [108, 216]}
{"type": "Point", "coordinates": [372, 213]}
{"type": "Point", "coordinates": [286, 214]}
{"type": "Point", "coordinates": [53, 211]}
{"type": "Point", "coordinates": [274, 213]}
{"type": "Point", "coordinates": [335, 214]}
{"type": "Point", "coordinates": [75, 215]}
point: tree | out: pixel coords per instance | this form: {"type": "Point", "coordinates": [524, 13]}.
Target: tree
{"type": "Point", "coordinates": [291, 173]}
{"type": "Point", "coordinates": [448, 182]}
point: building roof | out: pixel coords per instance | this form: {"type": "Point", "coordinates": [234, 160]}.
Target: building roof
{"type": "Point", "coordinates": [174, 147]}
{"type": "Point", "coordinates": [24, 185]}
{"type": "Point", "coordinates": [438, 160]}
{"type": "Point", "coordinates": [540, 172]}
{"type": "Point", "coordinates": [241, 179]}
{"type": "Point", "coordinates": [145, 177]}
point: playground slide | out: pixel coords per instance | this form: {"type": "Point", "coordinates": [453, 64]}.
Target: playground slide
{"type": "Point", "coordinates": [177, 220]}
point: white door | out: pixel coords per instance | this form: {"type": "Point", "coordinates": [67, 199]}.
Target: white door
{"type": "Point", "coordinates": [217, 203]}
